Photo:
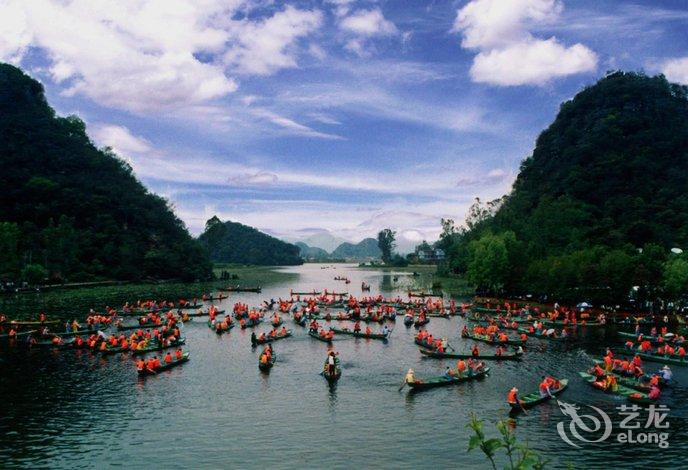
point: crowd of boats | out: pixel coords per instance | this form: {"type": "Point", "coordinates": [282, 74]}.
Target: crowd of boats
{"type": "Point", "coordinates": [151, 331]}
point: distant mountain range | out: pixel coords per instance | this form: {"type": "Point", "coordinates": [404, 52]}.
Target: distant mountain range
{"type": "Point", "coordinates": [363, 250]}
{"type": "Point", "coordinates": [323, 240]}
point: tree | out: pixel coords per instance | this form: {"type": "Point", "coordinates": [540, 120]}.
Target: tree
{"type": "Point", "coordinates": [386, 243]}
{"type": "Point", "coordinates": [34, 274]}
{"type": "Point", "coordinates": [676, 277]}
{"type": "Point", "coordinates": [9, 250]}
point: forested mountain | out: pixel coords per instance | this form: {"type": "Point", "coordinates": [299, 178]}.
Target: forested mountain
{"type": "Point", "coordinates": [73, 211]}
{"type": "Point", "coordinates": [232, 242]}
{"type": "Point", "coordinates": [597, 206]}
{"type": "Point", "coordinates": [312, 253]}
{"type": "Point", "coordinates": [365, 249]}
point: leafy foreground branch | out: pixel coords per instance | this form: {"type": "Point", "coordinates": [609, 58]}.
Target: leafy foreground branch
{"type": "Point", "coordinates": [519, 456]}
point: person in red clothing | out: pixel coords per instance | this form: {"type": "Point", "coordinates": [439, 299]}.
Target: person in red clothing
{"type": "Point", "coordinates": [168, 358]}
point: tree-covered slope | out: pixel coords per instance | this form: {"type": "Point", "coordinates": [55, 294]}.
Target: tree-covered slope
{"type": "Point", "coordinates": [79, 211]}
{"type": "Point", "coordinates": [312, 253]}
{"type": "Point", "coordinates": [365, 249]}
{"type": "Point", "coordinates": [232, 242]}
{"type": "Point", "coordinates": [597, 206]}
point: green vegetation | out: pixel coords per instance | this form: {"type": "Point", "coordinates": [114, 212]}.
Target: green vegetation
{"type": "Point", "coordinates": [596, 208]}
{"type": "Point", "coordinates": [231, 242]}
{"type": "Point", "coordinates": [386, 243]}
{"type": "Point", "coordinates": [517, 456]}
{"type": "Point", "coordinates": [69, 211]}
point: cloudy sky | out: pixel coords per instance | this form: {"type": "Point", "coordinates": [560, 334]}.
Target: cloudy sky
{"type": "Point", "coordinates": [340, 115]}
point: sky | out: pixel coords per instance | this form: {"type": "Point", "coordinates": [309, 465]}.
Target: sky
{"type": "Point", "coordinates": [337, 117]}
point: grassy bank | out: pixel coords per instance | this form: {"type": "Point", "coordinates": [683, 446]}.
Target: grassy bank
{"type": "Point", "coordinates": [251, 276]}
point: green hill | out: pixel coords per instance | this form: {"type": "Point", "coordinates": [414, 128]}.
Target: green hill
{"type": "Point", "coordinates": [74, 210]}
{"type": "Point", "coordinates": [365, 249]}
{"type": "Point", "coordinates": [232, 242]}
{"type": "Point", "coordinates": [312, 253]}
{"type": "Point", "coordinates": [606, 180]}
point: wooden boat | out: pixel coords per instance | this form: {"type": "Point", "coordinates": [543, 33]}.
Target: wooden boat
{"type": "Point", "coordinates": [419, 323]}
{"type": "Point", "coordinates": [532, 399]}
{"type": "Point", "coordinates": [270, 339]}
{"type": "Point", "coordinates": [346, 331]}
{"type": "Point", "coordinates": [48, 344]}
{"type": "Point", "coordinates": [337, 371]}
{"type": "Point", "coordinates": [442, 380]}
{"type": "Point", "coordinates": [562, 324]}
{"type": "Point", "coordinates": [18, 323]}
{"type": "Point", "coordinates": [621, 390]}
{"type": "Point", "coordinates": [204, 314]}
{"type": "Point", "coordinates": [256, 289]}
{"type": "Point", "coordinates": [313, 293]}
{"type": "Point", "coordinates": [215, 299]}
{"type": "Point", "coordinates": [302, 321]}
{"type": "Point", "coordinates": [655, 340]}
{"type": "Point", "coordinates": [165, 366]}
{"type": "Point", "coordinates": [485, 339]}
{"type": "Point", "coordinates": [265, 367]}
{"type": "Point", "coordinates": [541, 336]}
{"type": "Point", "coordinates": [276, 323]}
{"type": "Point", "coordinates": [20, 336]}
{"type": "Point", "coordinates": [318, 337]}
{"type": "Point", "coordinates": [110, 350]}
{"type": "Point", "coordinates": [145, 326]}
{"type": "Point", "coordinates": [186, 307]}
{"type": "Point", "coordinates": [219, 331]}
{"type": "Point", "coordinates": [251, 323]}
{"type": "Point", "coordinates": [157, 346]}
{"type": "Point", "coordinates": [492, 357]}
{"type": "Point", "coordinates": [660, 358]}
{"type": "Point", "coordinates": [68, 334]}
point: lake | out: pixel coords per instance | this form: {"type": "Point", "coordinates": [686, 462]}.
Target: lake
{"type": "Point", "coordinates": [73, 409]}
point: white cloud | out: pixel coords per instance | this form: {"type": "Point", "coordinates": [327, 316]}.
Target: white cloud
{"type": "Point", "coordinates": [508, 54]}
{"type": "Point", "coordinates": [120, 139]}
{"type": "Point", "coordinates": [263, 47]}
{"type": "Point", "coordinates": [676, 70]}
{"type": "Point", "coordinates": [151, 55]}
{"type": "Point", "coordinates": [368, 23]}
{"type": "Point", "coordinates": [531, 63]}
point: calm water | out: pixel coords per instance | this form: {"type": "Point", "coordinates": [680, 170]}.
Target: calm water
{"type": "Point", "coordinates": [72, 409]}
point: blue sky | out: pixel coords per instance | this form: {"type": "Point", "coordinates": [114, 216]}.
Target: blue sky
{"type": "Point", "coordinates": [346, 116]}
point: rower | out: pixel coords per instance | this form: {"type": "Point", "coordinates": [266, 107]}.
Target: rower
{"type": "Point", "coordinates": [512, 397]}
{"type": "Point", "coordinates": [179, 354]}
{"type": "Point", "coordinates": [666, 373]}
{"type": "Point", "coordinates": [168, 358]}
{"type": "Point", "coordinates": [410, 378]}
{"type": "Point", "coordinates": [331, 363]}
{"type": "Point", "coordinates": [475, 352]}
{"type": "Point", "coordinates": [544, 387]}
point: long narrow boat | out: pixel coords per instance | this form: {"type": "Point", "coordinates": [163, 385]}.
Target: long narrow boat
{"type": "Point", "coordinates": [251, 323]}
{"type": "Point", "coordinates": [313, 293]}
{"type": "Point", "coordinates": [485, 339]}
{"type": "Point", "coordinates": [492, 357]}
{"type": "Point", "coordinates": [419, 323]}
{"type": "Point", "coordinates": [145, 326]}
{"type": "Point", "coordinates": [205, 313]}
{"type": "Point", "coordinates": [332, 378]}
{"type": "Point", "coordinates": [563, 324]}
{"type": "Point", "coordinates": [541, 336]}
{"type": "Point", "coordinates": [157, 346]}
{"type": "Point", "coordinates": [48, 344]}
{"type": "Point", "coordinates": [660, 358]}
{"type": "Point", "coordinates": [655, 340]}
{"type": "Point", "coordinates": [318, 337]}
{"type": "Point", "coordinates": [67, 334]}
{"type": "Point", "coordinates": [621, 390]}
{"type": "Point", "coordinates": [423, 344]}
{"type": "Point", "coordinates": [30, 323]}
{"type": "Point", "coordinates": [256, 289]}
{"type": "Point", "coordinates": [443, 380]}
{"type": "Point", "coordinates": [220, 331]}
{"type": "Point", "coordinates": [110, 350]}
{"type": "Point", "coordinates": [265, 367]}
{"type": "Point", "coordinates": [21, 335]}
{"type": "Point", "coordinates": [532, 399]}
{"type": "Point", "coordinates": [630, 380]}
{"type": "Point", "coordinates": [302, 321]}
{"type": "Point", "coordinates": [270, 339]}
{"type": "Point", "coordinates": [165, 366]}
{"type": "Point", "coordinates": [345, 331]}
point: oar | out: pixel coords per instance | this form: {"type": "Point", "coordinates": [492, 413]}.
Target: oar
{"type": "Point", "coordinates": [402, 385]}
{"type": "Point", "coordinates": [522, 408]}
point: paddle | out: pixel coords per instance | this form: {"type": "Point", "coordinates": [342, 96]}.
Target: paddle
{"type": "Point", "coordinates": [402, 385]}
{"type": "Point", "coordinates": [522, 409]}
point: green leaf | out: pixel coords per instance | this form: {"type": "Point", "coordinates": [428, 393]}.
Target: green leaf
{"type": "Point", "coordinates": [474, 442]}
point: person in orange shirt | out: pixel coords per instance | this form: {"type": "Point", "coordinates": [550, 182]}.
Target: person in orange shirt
{"type": "Point", "coordinates": [179, 354]}
{"type": "Point", "coordinates": [168, 358]}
